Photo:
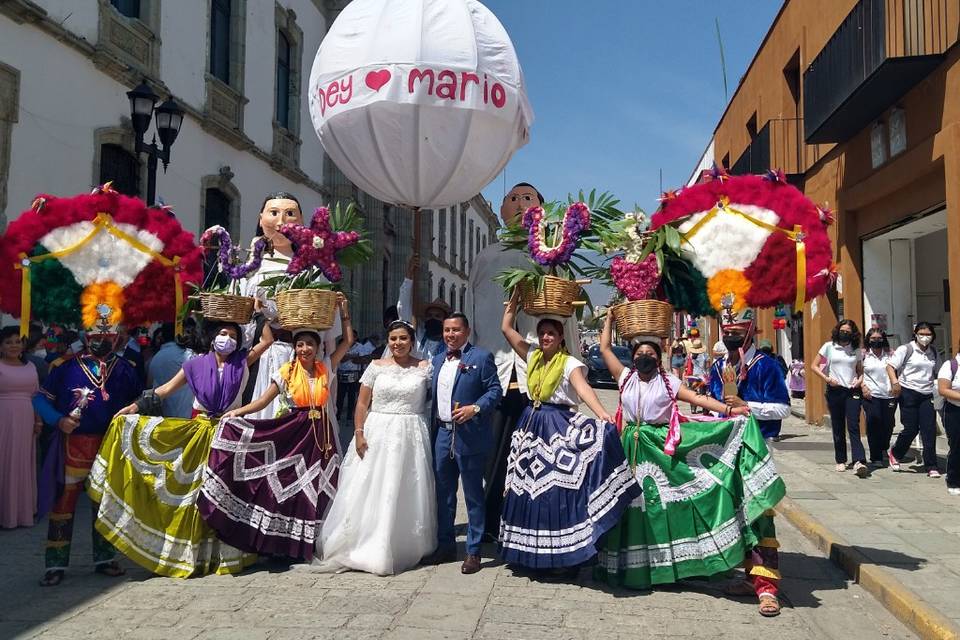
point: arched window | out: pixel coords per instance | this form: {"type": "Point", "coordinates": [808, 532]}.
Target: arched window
{"type": "Point", "coordinates": [442, 288]}
{"type": "Point", "coordinates": [121, 167]}
{"type": "Point", "coordinates": [463, 298]}
{"type": "Point", "coordinates": [284, 88]}
{"type": "Point", "coordinates": [216, 209]}
{"type": "Point", "coordinates": [453, 297]}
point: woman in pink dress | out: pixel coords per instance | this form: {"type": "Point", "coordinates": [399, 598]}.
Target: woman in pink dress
{"type": "Point", "coordinates": [18, 430]}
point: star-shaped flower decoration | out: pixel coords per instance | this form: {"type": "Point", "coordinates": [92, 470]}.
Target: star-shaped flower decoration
{"type": "Point", "coordinates": [38, 203]}
{"type": "Point", "coordinates": [830, 273]}
{"type": "Point", "coordinates": [106, 187]}
{"type": "Point", "coordinates": [777, 176]}
{"type": "Point", "coordinates": [317, 245]}
{"type": "Point", "coordinates": [827, 217]}
{"type": "Point", "coordinates": [718, 173]}
{"type": "Point", "coordinates": [669, 194]}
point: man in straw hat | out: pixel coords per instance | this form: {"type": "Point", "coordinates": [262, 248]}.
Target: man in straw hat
{"type": "Point", "coordinates": [429, 320]}
{"type": "Point", "coordinates": [745, 376]}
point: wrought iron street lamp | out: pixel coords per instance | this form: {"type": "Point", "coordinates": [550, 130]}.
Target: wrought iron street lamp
{"type": "Point", "coordinates": [169, 118]}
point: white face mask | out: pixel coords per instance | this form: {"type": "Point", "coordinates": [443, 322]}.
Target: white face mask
{"type": "Point", "coordinates": [224, 345]}
{"type": "Point", "coordinates": [924, 341]}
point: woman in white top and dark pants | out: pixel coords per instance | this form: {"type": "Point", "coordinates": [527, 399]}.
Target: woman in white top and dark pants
{"type": "Point", "coordinates": [948, 382]}
{"type": "Point", "coordinates": [912, 370]}
{"type": "Point", "coordinates": [839, 363]}
{"type": "Point", "coordinates": [879, 405]}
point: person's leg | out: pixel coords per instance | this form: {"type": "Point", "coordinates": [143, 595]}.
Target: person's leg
{"type": "Point", "coordinates": [60, 529]}
{"type": "Point", "coordinates": [762, 564]}
{"type": "Point", "coordinates": [836, 406]}
{"type": "Point", "coordinates": [927, 423]}
{"type": "Point", "coordinates": [446, 472]}
{"type": "Point", "coordinates": [910, 420]}
{"type": "Point", "coordinates": [951, 424]}
{"type": "Point", "coordinates": [873, 414]}
{"type": "Point", "coordinates": [889, 408]}
{"type": "Point", "coordinates": [502, 424]}
{"type": "Point", "coordinates": [852, 411]}
{"type": "Point", "coordinates": [471, 476]}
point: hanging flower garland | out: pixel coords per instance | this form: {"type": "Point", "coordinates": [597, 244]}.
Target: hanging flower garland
{"type": "Point", "coordinates": [228, 254]}
{"type": "Point", "coordinates": [576, 220]}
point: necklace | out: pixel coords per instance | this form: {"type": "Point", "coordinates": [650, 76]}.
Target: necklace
{"type": "Point", "coordinates": [98, 372]}
{"type": "Point", "coordinates": [315, 413]}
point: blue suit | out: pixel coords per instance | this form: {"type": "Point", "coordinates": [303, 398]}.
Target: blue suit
{"type": "Point", "coordinates": [469, 444]}
{"type": "Point", "coordinates": [764, 384]}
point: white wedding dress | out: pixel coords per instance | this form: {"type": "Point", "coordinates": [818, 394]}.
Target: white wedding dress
{"type": "Point", "coordinates": [384, 517]}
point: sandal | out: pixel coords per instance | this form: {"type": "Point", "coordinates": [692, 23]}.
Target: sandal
{"type": "Point", "coordinates": [740, 589]}
{"type": "Point", "coordinates": [769, 605]}
{"type": "Point", "coordinates": [52, 578]}
{"type": "Point", "coordinates": [111, 569]}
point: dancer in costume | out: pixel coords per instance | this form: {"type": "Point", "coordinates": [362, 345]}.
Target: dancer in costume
{"type": "Point", "coordinates": [268, 483]}
{"type": "Point", "coordinates": [567, 479]}
{"type": "Point", "coordinates": [384, 518]}
{"type": "Point", "coordinates": [278, 208]}
{"type": "Point", "coordinates": [483, 306]}
{"type": "Point", "coordinates": [747, 377]}
{"type": "Point", "coordinates": [78, 399]}
{"type": "Point", "coordinates": [693, 516]}
{"type": "Point", "coordinates": [149, 470]}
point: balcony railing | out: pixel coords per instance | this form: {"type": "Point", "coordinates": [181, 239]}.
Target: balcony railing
{"type": "Point", "coordinates": [778, 145]}
{"type": "Point", "coordinates": [881, 50]}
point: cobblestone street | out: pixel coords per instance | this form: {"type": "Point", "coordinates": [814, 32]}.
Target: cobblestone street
{"type": "Point", "coordinates": [430, 602]}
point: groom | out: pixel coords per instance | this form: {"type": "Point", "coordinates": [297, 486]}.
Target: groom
{"type": "Point", "coordinates": [466, 390]}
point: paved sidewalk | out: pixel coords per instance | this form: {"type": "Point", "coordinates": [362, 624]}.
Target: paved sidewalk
{"type": "Point", "coordinates": [904, 523]}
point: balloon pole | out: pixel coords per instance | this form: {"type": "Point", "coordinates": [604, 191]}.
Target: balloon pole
{"type": "Point", "coordinates": [416, 251]}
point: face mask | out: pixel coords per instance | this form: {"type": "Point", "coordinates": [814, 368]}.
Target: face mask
{"type": "Point", "coordinates": [845, 336]}
{"type": "Point", "coordinates": [433, 327]}
{"type": "Point", "coordinates": [100, 348]}
{"type": "Point", "coordinates": [733, 343]}
{"type": "Point", "coordinates": [645, 364]}
{"type": "Point", "coordinates": [876, 344]}
{"type": "Point", "coordinates": [924, 341]}
{"type": "Point", "coordinates": [224, 345]}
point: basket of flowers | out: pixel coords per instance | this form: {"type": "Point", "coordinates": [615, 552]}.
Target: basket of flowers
{"type": "Point", "coordinates": [221, 299]}
{"type": "Point", "coordinates": [552, 283]}
{"type": "Point", "coordinates": [306, 293]}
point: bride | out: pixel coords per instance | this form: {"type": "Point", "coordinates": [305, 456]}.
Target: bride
{"type": "Point", "coordinates": [384, 517]}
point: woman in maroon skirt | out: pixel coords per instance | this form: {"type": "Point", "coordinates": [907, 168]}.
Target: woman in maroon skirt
{"type": "Point", "coordinates": [268, 483]}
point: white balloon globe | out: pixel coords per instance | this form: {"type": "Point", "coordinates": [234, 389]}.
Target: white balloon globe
{"type": "Point", "coordinates": [421, 103]}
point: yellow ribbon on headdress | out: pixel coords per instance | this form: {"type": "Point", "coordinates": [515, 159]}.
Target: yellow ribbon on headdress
{"type": "Point", "coordinates": [797, 235]}
{"type": "Point", "coordinates": [103, 222]}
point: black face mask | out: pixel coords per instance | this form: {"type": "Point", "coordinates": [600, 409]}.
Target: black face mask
{"type": "Point", "coordinates": [876, 344]}
{"type": "Point", "coordinates": [844, 336]}
{"type": "Point", "coordinates": [645, 364]}
{"type": "Point", "coordinates": [733, 343]}
{"type": "Point", "coordinates": [100, 348]}
{"type": "Point", "coordinates": [433, 328]}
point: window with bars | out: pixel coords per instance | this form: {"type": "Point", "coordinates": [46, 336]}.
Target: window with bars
{"type": "Point", "coordinates": [283, 80]}
{"type": "Point", "coordinates": [216, 209]}
{"type": "Point", "coordinates": [121, 167]}
{"type": "Point", "coordinates": [442, 235]}
{"type": "Point", "coordinates": [453, 237]}
{"type": "Point", "coordinates": [453, 296]}
{"type": "Point", "coordinates": [220, 14]}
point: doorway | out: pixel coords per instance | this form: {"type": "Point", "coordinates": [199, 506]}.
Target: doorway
{"type": "Point", "coordinates": [905, 279]}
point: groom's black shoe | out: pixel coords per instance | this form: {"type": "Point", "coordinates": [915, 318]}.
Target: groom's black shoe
{"type": "Point", "coordinates": [441, 556]}
{"type": "Point", "coordinates": [471, 564]}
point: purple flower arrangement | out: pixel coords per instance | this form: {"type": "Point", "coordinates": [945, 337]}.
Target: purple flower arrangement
{"type": "Point", "coordinates": [576, 220]}
{"type": "Point", "coordinates": [229, 255]}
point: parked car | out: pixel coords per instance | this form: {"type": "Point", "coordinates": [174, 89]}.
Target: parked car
{"type": "Point", "coordinates": [597, 373]}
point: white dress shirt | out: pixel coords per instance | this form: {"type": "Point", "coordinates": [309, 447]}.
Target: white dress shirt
{"type": "Point", "coordinates": [916, 369]}
{"type": "Point", "coordinates": [946, 373]}
{"type": "Point", "coordinates": [486, 315]}
{"type": "Point", "coordinates": [875, 377]}
{"type": "Point", "coordinates": [445, 380]}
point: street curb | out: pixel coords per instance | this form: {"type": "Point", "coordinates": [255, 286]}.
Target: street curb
{"type": "Point", "coordinates": [903, 603]}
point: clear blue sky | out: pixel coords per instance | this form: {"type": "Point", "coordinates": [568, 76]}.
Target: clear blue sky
{"type": "Point", "coordinates": [623, 88]}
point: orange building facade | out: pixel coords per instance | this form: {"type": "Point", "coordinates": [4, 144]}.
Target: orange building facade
{"type": "Point", "coordinates": [858, 101]}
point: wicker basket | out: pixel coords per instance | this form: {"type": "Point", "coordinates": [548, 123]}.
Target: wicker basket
{"type": "Point", "coordinates": [558, 297]}
{"type": "Point", "coordinates": [301, 308]}
{"type": "Point", "coordinates": [226, 307]}
{"type": "Point", "coordinates": [643, 318]}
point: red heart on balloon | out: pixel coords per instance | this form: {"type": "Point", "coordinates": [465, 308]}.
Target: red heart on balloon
{"type": "Point", "coordinates": [376, 79]}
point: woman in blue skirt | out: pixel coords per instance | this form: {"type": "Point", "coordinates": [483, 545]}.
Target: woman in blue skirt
{"type": "Point", "coordinates": [568, 480]}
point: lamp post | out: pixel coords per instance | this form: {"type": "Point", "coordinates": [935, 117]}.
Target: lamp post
{"type": "Point", "coordinates": [169, 118]}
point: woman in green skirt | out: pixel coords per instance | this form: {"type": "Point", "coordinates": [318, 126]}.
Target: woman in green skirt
{"type": "Point", "coordinates": [703, 484]}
